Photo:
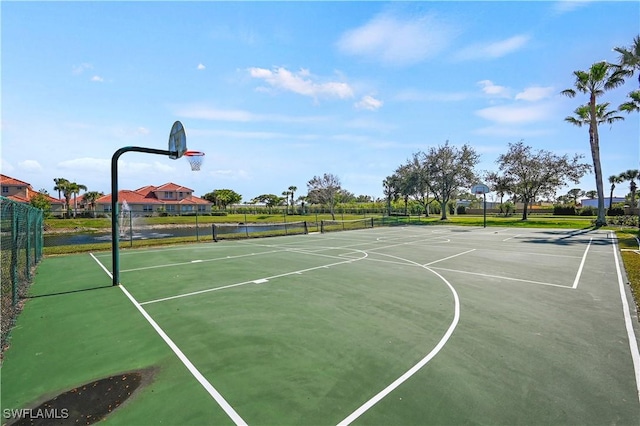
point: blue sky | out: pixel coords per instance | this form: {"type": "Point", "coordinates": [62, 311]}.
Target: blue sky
{"type": "Point", "coordinates": [278, 92]}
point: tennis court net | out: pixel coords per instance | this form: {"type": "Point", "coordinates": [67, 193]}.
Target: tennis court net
{"type": "Point", "coordinates": [345, 225]}
{"type": "Point", "coordinates": [254, 230]}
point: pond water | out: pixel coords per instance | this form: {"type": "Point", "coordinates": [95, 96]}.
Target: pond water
{"type": "Point", "coordinates": [204, 233]}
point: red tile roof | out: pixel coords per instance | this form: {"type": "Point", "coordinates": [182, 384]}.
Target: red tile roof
{"type": "Point", "coordinates": [7, 180]}
{"type": "Point", "coordinates": [170, 186]}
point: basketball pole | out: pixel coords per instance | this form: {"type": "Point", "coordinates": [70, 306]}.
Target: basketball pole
{"type": "Point", "coordinates": [115, 210]}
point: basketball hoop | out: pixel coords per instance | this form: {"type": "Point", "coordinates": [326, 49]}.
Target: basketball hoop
{"type": "Point", "coordinates": [195, 159]}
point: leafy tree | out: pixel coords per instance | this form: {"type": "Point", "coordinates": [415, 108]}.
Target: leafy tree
{"type": "Point", "coordinates": [270, 200]}
{"type": "Point", "coordinates": [390, 190]}
{"type": "Point", "coordinates": [594, 82]}
{"type": "Point", "coordinates": [417, 185]}
{"type": "Point", "coordinates": [449, 169]}
{"type": "Point", "coordinates": [574, 194]}
{"type": "Point", "coordinates": [41, 201]}
{"type": "Point", "coordinates": [323, 190]}
{"type": "Point", "coordinates": [343, 197]}
{"type": "Point", "coordinates": [540, 173]}
{"type": "Point", "coordinates": [499, 184]}
{"type": "Point", "coordinates": [592, 194]}
{"type": "Point", "coordinates": [223, 197]}
{"type": "Point", "coordinates": [364, 199]}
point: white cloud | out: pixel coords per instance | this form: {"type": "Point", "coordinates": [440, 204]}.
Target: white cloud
{"type": "Point", "coordinates": [88, 164]}
{"type": "Point", "coordinates": [567, 6]}
{"type": "Point", "coordinates": [397, 41]}
{"type": "Point", "coordinates": [79, 69]}
{"type": "Point", "coordinates": [535, 93]}
{"type": "Point", "coordinates": [301, 83]}
{"type": "Point", "coordinates": [201, 67]}
{"type": "Point", "coordinates": [369, 102]}
{"type": "Point", "coordinates": [5, 166]}
{"type": "Point", "coordinates": [30, 165]}
{"type": "Point", "coordinates": [492, 50]}
{"type": "Point", "coordinates": [97, 78]}
{"type": "Point", "coordinates": [493, 90]}
{"type": "Point", "coordinates": [515, 114]}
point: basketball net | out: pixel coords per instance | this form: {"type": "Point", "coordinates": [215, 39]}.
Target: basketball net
{"type": "Point", "coordinates": [195, 159]}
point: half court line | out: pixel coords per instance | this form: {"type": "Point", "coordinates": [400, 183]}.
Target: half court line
{"type": "Point", "coordinates": [584, 257]}
{"type": "Point", "coordinates": [253, 281]}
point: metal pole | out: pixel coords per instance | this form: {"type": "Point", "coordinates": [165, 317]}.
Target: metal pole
{"type": "Point", "coordinates": [485, 209]}
{"type": "Point", "coordinates": [115, 233]}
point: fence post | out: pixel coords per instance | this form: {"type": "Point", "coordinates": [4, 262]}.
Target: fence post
{"type": "Point", "coordinates": [14, 256]}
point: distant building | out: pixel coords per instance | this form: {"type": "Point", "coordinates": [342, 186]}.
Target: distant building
{"type": "Point", "coordinates": [588, 202]}
{"type": "Point", "coordinates": [22, 192]}
{"type": "Point", "coordinates": [169, 198]}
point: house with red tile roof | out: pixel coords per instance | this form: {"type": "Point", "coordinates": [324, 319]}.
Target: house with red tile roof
{"type": "Point", "coordinates": [22, 192]}
{"type": "Point", "coordinates": [170, 198]}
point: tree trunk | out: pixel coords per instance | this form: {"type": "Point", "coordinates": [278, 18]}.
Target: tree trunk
{"type": "Point", "coordinates": [597, 168]}
{"type": "Point", "coordinates": [611, 196]}
{"type": "Point", "coordinates": [443, 209]}
{"type": "Point", "coordinates": [525, 204]}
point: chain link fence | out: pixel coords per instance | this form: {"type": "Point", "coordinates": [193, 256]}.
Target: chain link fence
{"type": "Point", "coordinates": [21, 242]}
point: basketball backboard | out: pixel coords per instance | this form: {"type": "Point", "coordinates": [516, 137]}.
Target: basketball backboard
{"type": "Point", "coordinates": [177, 141]}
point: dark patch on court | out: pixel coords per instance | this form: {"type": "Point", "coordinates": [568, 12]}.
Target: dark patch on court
{"type": "Point", "coordinates": [88, 403]}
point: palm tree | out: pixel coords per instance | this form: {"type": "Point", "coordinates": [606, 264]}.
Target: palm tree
{"type": "Point", "coordinates": [292, 190]}
{"type": "Point", "coordinates": [74, 189]}
{"type": "Point", "coordinates": [631, 175]}
{"type": "Point", "coordinates": [633, 104]}
{"type": "Point", "coordinates": [613, 179]}
{"type": "Point", "coordinates": [630, 58]}
{"type": "Point", "coordinates": [594, 82]}
{"type": "Point", "coordinates": [60, 186]}
{"type": "Point", "coordinates": [91, 197]}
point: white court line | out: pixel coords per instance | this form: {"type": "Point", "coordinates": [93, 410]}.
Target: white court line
{"type": "Point", "coordinates": [633, 343]}
{"type": "Point", "coordinates": [208, 290]}
{"type": "Point", "coordinates": [502, 278]}
{"type": "Point", "coordinates": [233, 415]}
{"type": "Point", "coordinates": [400, 380]}
{"type": "Point", "coordinates": [449, 257]}
{"type": "Point", "coordinates": [507, 239]}
{"type": "Point", "coordinates": [584, 257]}
{"type": "Point", "coordinates": [215, 259]}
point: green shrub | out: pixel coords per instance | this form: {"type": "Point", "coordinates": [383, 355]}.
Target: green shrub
{"type": "Point", "coordinates": [615, 211]}
{"type": "Point", "coordinates": [218, 213]}
{"type": "Point", "coordinates": [462, 210]}
{"type": "Point", "coordinates": [588, 211]}
{"type": "Point", "coordinates": [564, 210]}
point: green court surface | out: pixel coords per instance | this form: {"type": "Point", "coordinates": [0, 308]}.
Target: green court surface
{"type": "Point", "coordinates": [386, 326]}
